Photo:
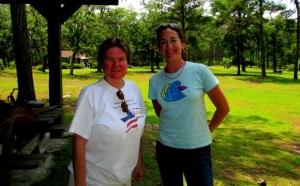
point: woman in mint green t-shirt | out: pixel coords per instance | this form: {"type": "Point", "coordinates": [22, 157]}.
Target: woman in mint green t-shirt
{"type": "Point", "coordinates": [177, 93]}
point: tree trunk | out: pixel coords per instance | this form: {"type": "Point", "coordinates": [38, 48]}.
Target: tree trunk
{"type": "Point", "coordinates": [73, 61]}
{"type": "Point", "coordinates": [274, 42]}
{"type": "Point", "coordinates": [238, 57]}
{"type": "Point", "coordinates": [262, 43]}
{"type": "Point", "coordinates": [26, 90]}
{"type": "Point", "coordinates": [298, 40]}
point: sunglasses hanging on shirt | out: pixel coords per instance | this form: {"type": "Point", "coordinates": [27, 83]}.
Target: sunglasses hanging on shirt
{"type": "Point", "coordinates": [124, 105]}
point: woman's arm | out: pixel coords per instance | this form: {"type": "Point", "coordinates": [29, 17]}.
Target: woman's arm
{"type": "Point", "coordinates": [157, 107]}
{"type": "Point", "coordinates": [218, 98]}
{"type": "Point", "coordinates": [139, 170]}
{"type": "Point", "coordinates": [79, 160]}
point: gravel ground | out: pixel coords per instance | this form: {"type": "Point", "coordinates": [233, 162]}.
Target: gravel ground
{"type": "Point", "coordinates": [26, 177]}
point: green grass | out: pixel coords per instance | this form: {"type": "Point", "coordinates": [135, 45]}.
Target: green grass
{"type": "Point", "coordinates": [258, 140]}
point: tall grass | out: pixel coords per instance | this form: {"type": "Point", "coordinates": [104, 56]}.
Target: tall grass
{"type": "Point", "coordinates": [259, 140]}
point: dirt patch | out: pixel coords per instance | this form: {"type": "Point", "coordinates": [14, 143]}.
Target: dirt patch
{"type": "Point", "coordinates": [294, 149]}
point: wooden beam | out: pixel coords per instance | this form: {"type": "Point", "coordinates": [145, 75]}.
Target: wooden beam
{"type": "Point", "coordinates": [54, 53]}
{"type": "Point", "coordinates": [42, 9]}
{"type": "Point", "coordinates": [31, 145]}
{"type": "Point", "coordinates": [68, 10]}
{"type": "Point", "coordinates": [83, 2]}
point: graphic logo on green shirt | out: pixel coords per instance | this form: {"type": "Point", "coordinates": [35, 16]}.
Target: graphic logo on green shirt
{"type": "Point", "coordinates": [173, 91]}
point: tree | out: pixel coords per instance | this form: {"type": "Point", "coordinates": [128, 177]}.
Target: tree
{"type": "Point", "coordinates": [235, 17]}
{"type": "Point", "coordinates": [189, 15]}
{"type": "Point", "coordinates": [23, 59]}
{"type": "Point", "coordinates": [76, 32]}
{"type": "Point", "coordinates": [262, 41]}
{"type": "Point", "coordinates": [298, 40]}
{"type": "Point", "coordinates": [6, 36]}
{"type": "Point", "coordinates": [38, 37]}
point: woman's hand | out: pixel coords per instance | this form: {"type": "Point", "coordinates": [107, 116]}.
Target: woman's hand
{"type": "Point", "coordinates": [138, 172]}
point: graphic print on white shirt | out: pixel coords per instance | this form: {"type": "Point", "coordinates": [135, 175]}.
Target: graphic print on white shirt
{"type": "Point", "coordinates": [131, 121]}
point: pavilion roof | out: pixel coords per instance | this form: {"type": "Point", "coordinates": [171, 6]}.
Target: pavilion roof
{"type": "Point", "coordinates": [83, 2]}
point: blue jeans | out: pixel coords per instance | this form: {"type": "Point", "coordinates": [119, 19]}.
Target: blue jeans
{"type": "Point", "coordinates": [194, 164]}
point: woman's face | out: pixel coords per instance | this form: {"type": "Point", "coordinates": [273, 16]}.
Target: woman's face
{"type": "Point", "coordinates": [170, 45]}
{"type": "Point", "coordinates": [115, 63]}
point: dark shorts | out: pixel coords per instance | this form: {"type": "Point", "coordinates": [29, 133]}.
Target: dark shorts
{"type": "Point", "coordinates": [194, 164]}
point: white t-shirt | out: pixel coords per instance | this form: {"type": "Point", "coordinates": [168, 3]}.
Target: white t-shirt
{"type": "Point", "coordinates": [113, 136]}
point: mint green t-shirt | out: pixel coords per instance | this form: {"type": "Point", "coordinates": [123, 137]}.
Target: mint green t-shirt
{"type": "Point", "coordinates": [183, 121]}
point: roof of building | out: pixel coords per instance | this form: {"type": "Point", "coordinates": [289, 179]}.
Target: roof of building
{"type": "Point", "coordinates": [69, 53]}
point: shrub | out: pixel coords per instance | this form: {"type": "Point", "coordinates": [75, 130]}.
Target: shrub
{"type": "Point", "coordinates": [12, 65]}
{"type": "Point", "coordinates": [94, 65]}
{"type": "Point", "coordinates": [78, 66]}
{"type": "Point", "coordinates": [65, 65]}
{"type": "Point", "coordinates": [289, 67]}
{"type": "Point", "coordinates": [226, 62]}
{"type": "Point", "coordinates": [1, 65]}
{"type": "Point", "coordinates": [39, 67]}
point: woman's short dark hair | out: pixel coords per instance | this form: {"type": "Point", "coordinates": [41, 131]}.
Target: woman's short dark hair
{"type": "Point", "coordinates": [172, 26]}
{"type": "Point", "coordinates": [113, 42]}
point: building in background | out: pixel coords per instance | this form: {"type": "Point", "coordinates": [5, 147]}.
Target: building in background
{"type": "Point", "coordinates": [66, 56]}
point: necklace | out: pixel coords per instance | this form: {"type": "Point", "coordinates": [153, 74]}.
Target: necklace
{"type": "Point", "coordinates": [175, 72]}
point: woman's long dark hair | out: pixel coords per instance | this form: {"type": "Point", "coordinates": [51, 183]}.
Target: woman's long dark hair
{"type": "Point", "coordinates": [176, 28]}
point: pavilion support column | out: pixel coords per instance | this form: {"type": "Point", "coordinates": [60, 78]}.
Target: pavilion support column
{"type": "Point", "coordinates": [55, 72]}
{"type": "Point", "coordinates": [54, 53]}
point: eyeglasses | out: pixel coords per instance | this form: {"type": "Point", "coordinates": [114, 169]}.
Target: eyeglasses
{"type": "Point", "coordinates": [170, 25]}
{"type": "Point", "coordinates": [124, 105]}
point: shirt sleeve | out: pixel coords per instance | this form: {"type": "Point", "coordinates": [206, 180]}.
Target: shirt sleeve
{"type": "Point", "coordinates": [152, 94]}
{"type": "Point", "coordinates": [209, 80]}
{"type": "Point", "coordinates": [83, 118]}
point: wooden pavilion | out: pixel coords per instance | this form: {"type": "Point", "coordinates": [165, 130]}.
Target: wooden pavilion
{"type": "Point", "coordinates": [56, 12]}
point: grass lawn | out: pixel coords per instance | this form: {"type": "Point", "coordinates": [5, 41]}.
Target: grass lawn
{"type": "Point", "coordinates": [259, 140]}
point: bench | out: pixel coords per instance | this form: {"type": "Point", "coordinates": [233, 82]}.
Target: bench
{"type": "Point", "coordinates": [32, 133]}
{"type": "Point", "coordinates": [26, 135]}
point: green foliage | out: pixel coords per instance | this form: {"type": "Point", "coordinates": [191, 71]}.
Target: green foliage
{"type": "Point", "coordinates": [77, 66]}
{"type": "Point", "coordinates": [6, 36]}
{"type": "Point", "coordinates": [94, 65]}
{"type": "Point", "coordinates": [38, 67]}
{"type": "Point", "coordinates": [289, 67]}
{"type": "Point", "coordinates": [12, 65]}
{"type": "Point", "coordinates": [209, 37]}
{"type": "Point", "coordinates": [1, 65]}
{"type": "Point", "coordinates": [65, 65]}
{"type": "Point", "coordinates": [226, 62]}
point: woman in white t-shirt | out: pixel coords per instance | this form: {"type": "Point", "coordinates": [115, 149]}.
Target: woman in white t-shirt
{"type": "Point", "coordinates": [108, 124]}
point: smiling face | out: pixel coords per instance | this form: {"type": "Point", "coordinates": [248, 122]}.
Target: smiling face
{"type": "Point", "coordinates": [170, 45]}
{"type": "Point", "coordinates": [115, 64]}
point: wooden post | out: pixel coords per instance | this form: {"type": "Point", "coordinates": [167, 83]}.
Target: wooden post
{"type": "Point", "coordinates": [54, 51]}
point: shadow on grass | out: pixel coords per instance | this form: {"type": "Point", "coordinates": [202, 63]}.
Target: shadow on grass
{"type": "Point", "coordinates": [242, 152]}
{"type": "Point", "coordinates": [88, 75]}
{"type": "Point", "coordinates": [255, 76]}
{"type": "Point", "coordinates": [247, 153]}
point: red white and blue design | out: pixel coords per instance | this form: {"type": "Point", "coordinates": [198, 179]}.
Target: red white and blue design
{"type": "Point", "coordinates": [131, 119]}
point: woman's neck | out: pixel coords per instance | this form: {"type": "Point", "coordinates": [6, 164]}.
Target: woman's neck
{"type": "Point", "coordinates": [174, 66]}
{"type": "Point", "coordinates": [117, 83]}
